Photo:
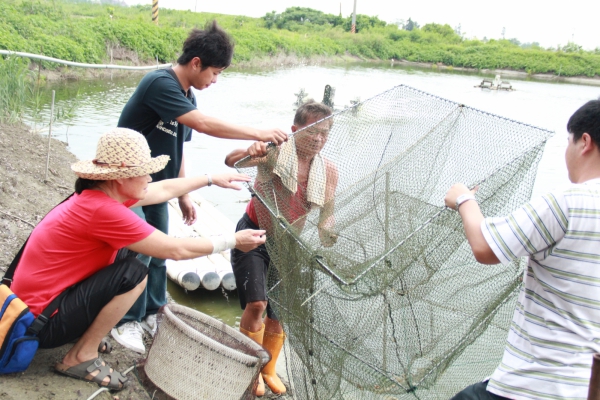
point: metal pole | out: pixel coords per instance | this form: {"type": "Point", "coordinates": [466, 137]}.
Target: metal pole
{"type": "Point", "coordinates": [49, 136]}
{"type": "Point", "coordinates": [594, 390]}
{"type": "Point", "coordinates": [353, 29]}
{"type": "Point", "coordinates": [155, 11]}
{"type": "Point", "coordinates": [80, 65]}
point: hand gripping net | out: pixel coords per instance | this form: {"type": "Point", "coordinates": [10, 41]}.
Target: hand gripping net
{"type": "Point", "coordinates": [397, 308]}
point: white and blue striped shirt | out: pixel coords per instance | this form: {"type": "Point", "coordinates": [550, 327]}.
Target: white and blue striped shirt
{"type": "Point", "coordinates": [556, 325]}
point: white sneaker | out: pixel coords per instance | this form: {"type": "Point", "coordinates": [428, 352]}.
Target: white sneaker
{"type": "Point", "coordinates": [130, 335]}
{"type": "Point", "coordinates": [150, 325]}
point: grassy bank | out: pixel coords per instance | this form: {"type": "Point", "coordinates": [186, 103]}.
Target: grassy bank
{"type": "Point", "coordinates": [85, 32]}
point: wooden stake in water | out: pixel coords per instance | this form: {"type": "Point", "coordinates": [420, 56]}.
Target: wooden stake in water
{"type": "Point", "coordinates": [49, 135]}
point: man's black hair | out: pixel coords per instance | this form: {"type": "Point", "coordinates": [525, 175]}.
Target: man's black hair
{"type": "Point", "coordinates": [212, 45]}
{"type": "Point", "coordinates": [311, 109]}
{"type": "Point", "coordinates": [82, 184]}
{"type": "Point", "coordinates": [586, 120]}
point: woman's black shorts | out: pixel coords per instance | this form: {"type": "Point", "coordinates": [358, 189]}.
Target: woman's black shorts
{"type": "Point", "coordinates": [84, 300]}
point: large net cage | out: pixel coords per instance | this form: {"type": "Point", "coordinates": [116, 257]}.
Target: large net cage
{"type": "Point", "coordinates": [373, 279]}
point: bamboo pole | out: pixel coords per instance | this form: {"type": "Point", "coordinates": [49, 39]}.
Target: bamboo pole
{"type": "Point", "coordinates": [49, 136]}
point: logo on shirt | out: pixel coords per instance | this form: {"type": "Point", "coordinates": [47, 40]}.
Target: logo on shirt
{"type": "Point", "coordinates": [163, 127]}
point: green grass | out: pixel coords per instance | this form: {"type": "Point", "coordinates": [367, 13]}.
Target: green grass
{"type": "Point", "coordinates": [16, 89]}
{"type": "Point", "coordinates": [84, 32]}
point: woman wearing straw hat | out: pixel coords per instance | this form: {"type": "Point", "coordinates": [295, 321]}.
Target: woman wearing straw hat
{"type": "Point", "coordinates": [86, 247]}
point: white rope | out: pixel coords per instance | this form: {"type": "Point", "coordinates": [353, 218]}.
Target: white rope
{"type": "Point", "coordinates": [82, 65]}
{"type": "Point", "coordinates": [97, 392]}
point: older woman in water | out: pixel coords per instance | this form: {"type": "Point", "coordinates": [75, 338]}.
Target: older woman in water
{"type": "Point", "coordinates": [86, 248]}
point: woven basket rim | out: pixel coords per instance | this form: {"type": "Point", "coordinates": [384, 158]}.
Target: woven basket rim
{"type": "Point", "coordinates": [260, 356]}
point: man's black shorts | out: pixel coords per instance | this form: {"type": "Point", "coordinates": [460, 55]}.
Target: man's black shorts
{"type": "Point", "coordinates": [250, 270]}
{"type": "Point", "coordinates": [477, 391]}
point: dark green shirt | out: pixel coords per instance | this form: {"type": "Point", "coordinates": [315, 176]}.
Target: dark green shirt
{"type": "Point", "coordinates": [152, 110]}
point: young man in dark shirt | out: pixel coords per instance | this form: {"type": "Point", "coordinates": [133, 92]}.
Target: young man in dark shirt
{"type": "Point", "coordinates": [163, 109]}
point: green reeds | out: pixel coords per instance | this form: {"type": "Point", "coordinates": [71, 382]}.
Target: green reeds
{"type": "Point", "coordinates": [16, 89]}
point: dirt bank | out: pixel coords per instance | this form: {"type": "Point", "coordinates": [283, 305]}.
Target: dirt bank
{"type": "Point", "coordinates": [25, 197]}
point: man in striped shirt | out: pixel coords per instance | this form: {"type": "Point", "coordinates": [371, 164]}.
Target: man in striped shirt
{"type": "Point", "coordinates": [556, 324]}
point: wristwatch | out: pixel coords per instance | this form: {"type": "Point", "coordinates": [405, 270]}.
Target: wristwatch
{"type": "Point", "coordinates": [463, 198]}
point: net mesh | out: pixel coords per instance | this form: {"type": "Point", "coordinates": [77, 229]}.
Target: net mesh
{"type": "Point", "coordinates": [377, 289]}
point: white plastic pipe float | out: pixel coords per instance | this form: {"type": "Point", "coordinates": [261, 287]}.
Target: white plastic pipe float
{"type": "Point", "coordinates": [215, 269]}
{"type": "Point", "coordinates": [223, 268]}
{"type": "Point", "coordinates": [183, 273]}
{"type": "Point", "coordinates": [206, 271]}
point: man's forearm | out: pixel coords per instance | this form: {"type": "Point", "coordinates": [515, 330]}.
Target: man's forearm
{"type": "Point", "coordinates": [472, 218]}
{"type": "Point", "coordinates": [235, 156]}
{"type": "Point", "coordinates": [219, 128]}
{"type": "Point", "coordinates": [159, 192]}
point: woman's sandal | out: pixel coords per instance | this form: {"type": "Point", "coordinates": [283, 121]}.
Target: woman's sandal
{"type": "Point", "coordinates": [104, 347]}
{"type": "Point", "coordinates": [84, 372]}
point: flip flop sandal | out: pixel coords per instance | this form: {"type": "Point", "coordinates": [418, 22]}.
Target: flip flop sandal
{"type": "Point", "coordinates": [104, 347]}
{"type": "Point", "coordinates": [84, 372]}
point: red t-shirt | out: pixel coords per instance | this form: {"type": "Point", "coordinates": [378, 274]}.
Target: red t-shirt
{"type": "Point", "coordinates": [75, 240]}
{"type": "Point", "coordinates": [293, 205]}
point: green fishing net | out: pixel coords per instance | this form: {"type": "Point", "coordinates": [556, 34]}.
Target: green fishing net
{"type": "Point", "coordinates": [381, 298]}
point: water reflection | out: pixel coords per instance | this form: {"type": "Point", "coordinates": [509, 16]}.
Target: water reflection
{"type": "Point", "coordinates": [220, 304]}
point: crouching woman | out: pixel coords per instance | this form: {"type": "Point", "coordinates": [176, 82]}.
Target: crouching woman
{"type": "Point", "coordinates": [87, 245]}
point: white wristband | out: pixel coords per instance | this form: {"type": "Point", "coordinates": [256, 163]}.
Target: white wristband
{"type": "Point", "coordinates": [463, 198]}
{"type": "Point", "coordinates": [222, 242]}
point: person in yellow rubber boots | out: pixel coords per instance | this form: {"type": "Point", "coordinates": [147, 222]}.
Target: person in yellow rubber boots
{"type": "Point", "coordinates": [315, 174]}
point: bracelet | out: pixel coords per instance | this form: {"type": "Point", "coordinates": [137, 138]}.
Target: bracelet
{"type": "Point", "coordinates": [222, 242]}
{"type": "Point", "coordinates": [209, 179]}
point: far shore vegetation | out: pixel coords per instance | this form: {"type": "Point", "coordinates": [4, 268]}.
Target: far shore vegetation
{"type": "Point", "coordinates": [87, 32]}
{"type": "Point", "coordinates": [106, 32]}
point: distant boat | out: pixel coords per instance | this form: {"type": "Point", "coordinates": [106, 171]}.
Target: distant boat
{"type": "Point", "coordinates": [496, 84]}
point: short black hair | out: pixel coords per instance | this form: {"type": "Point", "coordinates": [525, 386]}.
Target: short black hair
{"type": "Point", "coordinates": [586, 120]}
{"type": "Point", "coordinates": [82, 184]}
{"type": "Point", "coordinates": [212, 45]}
{"type": "Point", "coordinates": [311, 109]}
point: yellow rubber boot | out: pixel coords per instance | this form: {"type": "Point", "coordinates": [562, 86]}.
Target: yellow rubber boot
{"type": "Point", "coordinates": [273, 342]}
{"type": "Point", "coordinates": [258, 338]}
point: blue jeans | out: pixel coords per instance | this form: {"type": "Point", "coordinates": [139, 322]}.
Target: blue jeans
{"type": "Point", "coordinates": [477, 391]}
{"type": "Point", "coordinates": [155, 294]}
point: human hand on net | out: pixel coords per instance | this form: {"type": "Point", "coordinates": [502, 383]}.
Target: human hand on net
{"type": "Point", "coordinates": [458, 189]}
{"type": "Point", "coordinates": [188, 211]}
{"type": "Point", "coordinates": [226, 181]}
{"type": "Point", "coordinates": [276, 136]}
{"type": "Point", "coordinates": [249, 239]}
{"type": "Point", "coordinates": [327, 234]}
{"type": "Point", "coordinates": [258, 149]}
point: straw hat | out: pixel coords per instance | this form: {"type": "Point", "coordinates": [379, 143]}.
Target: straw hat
{"type": "Point", "coordinates": [121, 153]}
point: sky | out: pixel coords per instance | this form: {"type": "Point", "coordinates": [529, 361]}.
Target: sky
{"type": "Point", "coordinates": [526, 20]}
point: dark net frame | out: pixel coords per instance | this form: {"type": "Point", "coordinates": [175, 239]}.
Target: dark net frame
{"type": "Point", "coordinates": [398, 307]}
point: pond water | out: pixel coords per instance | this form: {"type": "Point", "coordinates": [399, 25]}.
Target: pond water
{"type": "Point", "coordinates": [264, 99]}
